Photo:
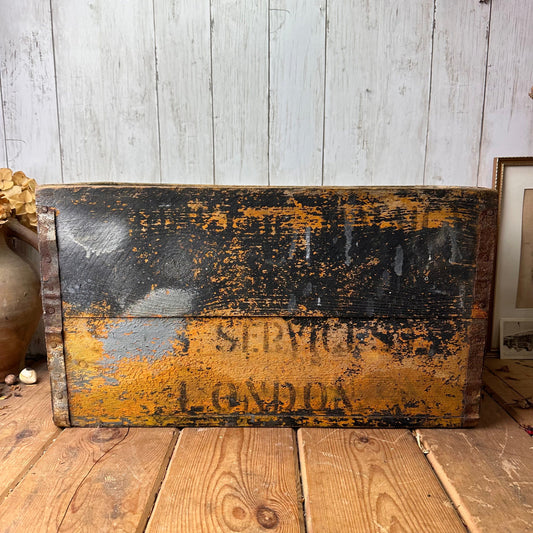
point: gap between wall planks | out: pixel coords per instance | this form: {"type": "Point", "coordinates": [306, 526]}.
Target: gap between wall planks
{"type": "Point", "coordinates": [108, 477]}
{"type": "Point", "coordinates": [498, 451]}
{"type": "Point", "coordinates": [456, 100]}
{"type": "Point", "coordinates": [128, 77]}
{"type": "Point", "coordinates": [183, 48]}
{"type": "Point", "coordinates": [507, 124]}
{"type": "Point", "coordinates": [240, 91]}
{"type": "Point", "coordinates": [370, 481]}
{"type": "Point", "coordinates": [232, 479]}
{"type": "Point", "coordinates": [3, 149]}
{"type": "Point", "coordinates": [29, 90]}
{"type": "Point", "coordinates": [296, 81]}
{"type": "Point", "coordinates": [372, 131]}
{"type": "Point", "coordinates": [105, 67]}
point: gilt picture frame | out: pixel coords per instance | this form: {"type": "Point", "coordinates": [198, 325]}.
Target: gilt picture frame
{"type": "Point", "coordinates": [513, 282]}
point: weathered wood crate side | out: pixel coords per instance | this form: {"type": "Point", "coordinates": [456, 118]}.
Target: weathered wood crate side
{"type": "Point", "coordinates": [267, 306]}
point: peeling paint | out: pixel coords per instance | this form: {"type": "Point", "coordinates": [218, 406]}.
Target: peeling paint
{"type": "Point", "coordinates": [398, 260]}
{"type": "Point", "coordinates": [231, 306]}
{"type": "Point", "coordinates": [456, 256]}
{"type": "Point", "coordinates": [103, 238]}
{"type": "Point", "coordinates": [348, 232]}
{"type": "Point", "coordinates": [165, 370]}
{"type": "Point", "coordinates": [164, 301]}
{"type": "Point", "coordinates": [291, 306]}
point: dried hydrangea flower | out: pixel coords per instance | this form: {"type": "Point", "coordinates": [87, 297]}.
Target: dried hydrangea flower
{"type": "Point", "coordinates": [6, 179]}
{"type": "Point", "coordinates": [5, 209]}
{"type": "Point", "coordinates": [19, 191]}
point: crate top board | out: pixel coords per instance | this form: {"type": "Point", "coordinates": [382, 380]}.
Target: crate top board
{"type": "Point", "coordinates": [209, 284]}
{"type": "Point", "coordinates": [182, 251]}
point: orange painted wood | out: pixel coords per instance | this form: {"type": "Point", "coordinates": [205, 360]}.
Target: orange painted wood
{"type": "Point", "coordinates": [229, 480]}
{"type": "Point", "coordinates": [91, 480]}
{"type": "Point", "coordinates": [370, 481]}
{"type": "Point", "coordinates": [190, 306]}
{"type": "Point", "coordinates": [487, 470]}
{"type": "Point", "coordinates": [251, 371]}
{"type": "Point", "coordinates": [26, 428]}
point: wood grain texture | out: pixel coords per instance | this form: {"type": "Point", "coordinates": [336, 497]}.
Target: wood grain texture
{"type": "Point", "coordinates": [297, 62]}
{"type": "Point", "coordinates": [460, 41]}
{"type": "Point", "coordinates": [514, 403]}
{"type": "Point", "coordinates": [177, 296]}
{"type": "Point", "coordinates": [266, 372]}
{"type": "Point", "coordinates": [370, 481]}
{"type": "Point", "coordinates": [367, 252]}
{"type": "Point", "coordinates": [376, 74]}
{"type": "Point", "coordinates": [231, 480]}
{"type": "Point", "coordinates": [240, 91]}
{"type": "Point", "coordinates": [487, 471]}
{"type": "Point", "coordinates": [28, 89]}
{"type": "Point", "coordinates": [377, 88]}
{"type": "Point", "coordinates": [517, 374]}
{"type": "Point", "coordinates": [26, 428]}
{"type": "Point", "coordinates": [3, 147]}
{"type": "Point", "coordinates": [105, 57]}
{"type": "Point", "coordinates": [507, 125]}
{"type": "Point", "coordinates": [183, 37]}
{"type": "Point", "coordinates": [91, 480]}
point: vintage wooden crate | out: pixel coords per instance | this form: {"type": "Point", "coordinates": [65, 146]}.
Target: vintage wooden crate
{"type": "Point", "coordinates": [169, 305]}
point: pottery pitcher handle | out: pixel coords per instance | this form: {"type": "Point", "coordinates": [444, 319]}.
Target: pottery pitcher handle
{"type": "Point", "coordinates": [16, 229]}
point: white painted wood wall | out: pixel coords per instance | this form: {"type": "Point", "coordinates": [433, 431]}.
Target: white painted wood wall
{"type": "Point", "coordinates": [274, 92]}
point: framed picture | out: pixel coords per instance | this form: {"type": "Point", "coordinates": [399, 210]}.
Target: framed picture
{"type": "Point", "coordinates": [516, 339]}
{"type": "Point", "coordinates": [513, 288]}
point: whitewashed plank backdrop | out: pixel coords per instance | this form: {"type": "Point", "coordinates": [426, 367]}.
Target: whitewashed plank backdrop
{"type": "Point", "coordinates": [281, 92]}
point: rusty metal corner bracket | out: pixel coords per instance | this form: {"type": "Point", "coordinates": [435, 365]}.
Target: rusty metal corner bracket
{"type": "Point", "coordinates": [52, 313]}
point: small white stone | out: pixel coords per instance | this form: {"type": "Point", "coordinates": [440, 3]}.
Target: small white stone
{"type": "Point", "coordinates": [28, 376]}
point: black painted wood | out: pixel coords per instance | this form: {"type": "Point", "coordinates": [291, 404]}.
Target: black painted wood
{"type": "Point", "coordinates": [189, 251]}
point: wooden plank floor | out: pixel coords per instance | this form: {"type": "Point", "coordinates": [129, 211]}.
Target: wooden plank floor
{"type": "Point", "coordinates": [258, 480]}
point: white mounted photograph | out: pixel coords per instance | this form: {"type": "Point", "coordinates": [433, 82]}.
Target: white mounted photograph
{"type": "Point", "coordinates": [516, 339]}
